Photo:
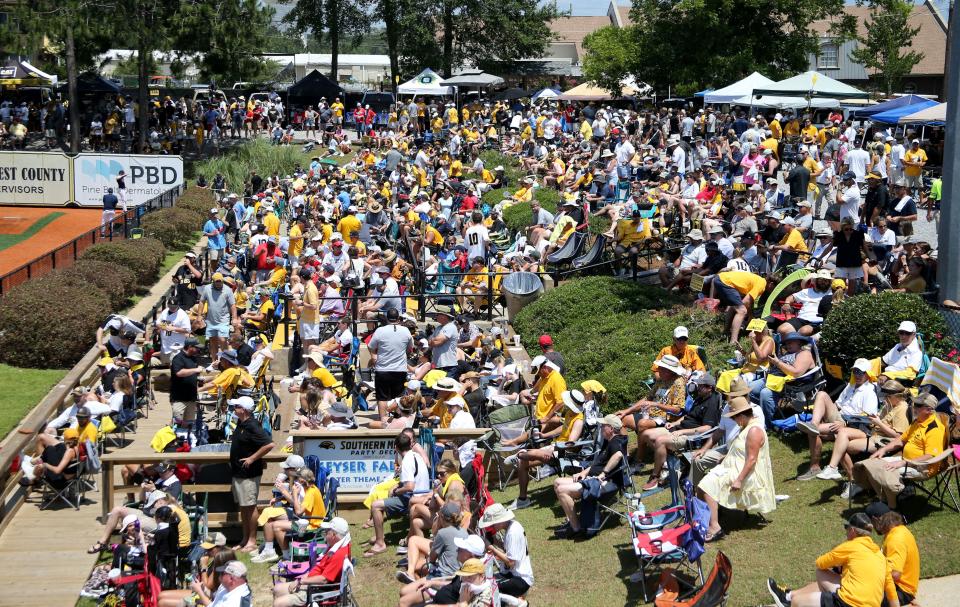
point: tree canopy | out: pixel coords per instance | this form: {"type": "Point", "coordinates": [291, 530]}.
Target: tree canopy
{"type": "Point", "coordinates": [888, 33]}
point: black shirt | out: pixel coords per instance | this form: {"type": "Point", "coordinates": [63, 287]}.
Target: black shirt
{"type": "Point", "coordinates": [849, 252]}
{"type": "Point", "coordinates": [617, 444]}
{"type": "Point", "coordinates": [714, 264]}
{"type": "Point", "coordinates": [109, 202]}
{"type": "Point", "coordinates": [247, 440]}
{"type": "Point", "coordinates": [704, 412]}
{"type": "Point", "coordinates": [244, 354]}
{"type": "Point", "coordinates": [183, 389]}
{"type": "Point", "coordinates": [877, 198]}
{"type": "Point", "coordinates": [799, 181]}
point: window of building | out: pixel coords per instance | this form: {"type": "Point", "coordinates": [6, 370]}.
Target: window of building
{"type": "Point", "coordinates": [829, 55]}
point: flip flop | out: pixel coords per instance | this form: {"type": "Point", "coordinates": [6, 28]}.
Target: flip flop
{"type": "Point", "coordinates": [248, 549]}
{"type": "Point", "coordinates": [97, 548]}
{"type": "Point", "coordinates": [367, 525]}
{"type": "Point", "coordinates": [712, 537]}
{"type": "Point", "coordinates": [371, 553]}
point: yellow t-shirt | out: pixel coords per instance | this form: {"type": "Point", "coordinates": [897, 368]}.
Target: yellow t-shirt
{"type": "Point", "coordinates": [272, 223]}
{"type": "Point", "coordinates": [348, 224]}
{"type": "Point", "coordinates": [792, 129]}
{"type": "Point", "coordinates": [923, 439]}
{"type": "Point", "coordinates": [313, 506]}
{"type": "Point", "coordinates": [486, 176]}
{"type": "Point", "coordinates": [900, 548]}
{"type": "Point", "coordinates": [266, 308]}
{"type": "Point", "coordinates": [795, 240]}
{"type": "Point", "coordinates": [911, 156]}
{"type": "Point", "coordinates": [232, 378]}
{"type": "Point", "coordinates": [337, 109]}
{"type": "Point", "coordinates": [456, 168]}
{"type": "Point", "coordinates": [689, 358]}
{"type": "Point", "coordinates": [296, 240]}
{"type": "Point", "coordinates": [550, 390]}
{"type": "Point", "coordinates": [183, 526]}
{"type": "Point", "coordinates": [88, 433]}
{"type": "Point", "coordinates": [569, 419]}
{"type": "Point", "coordinates": [327, 380]}
{"type": "Point", "coordinates": [629, 233]}
{"type": "Point", "coordinates": [865, 577]}
{"type": "Point", "coordinates": [776, 129]}
{"type": "Point", "coordinates": [277, 277]}
{"type": "Point", "coordinates": [311, 297]}
{"type": "Point", "coordinates": [746, 283]}
{"type": "Point", "coordinates": [809, 131]}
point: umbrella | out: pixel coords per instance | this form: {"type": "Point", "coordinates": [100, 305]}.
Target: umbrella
{"type": "Point", "coordinates": [511, 94]}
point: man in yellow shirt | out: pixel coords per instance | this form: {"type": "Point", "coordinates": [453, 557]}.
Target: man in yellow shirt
{"type": "Point", "coordinates": [791, 243]}
{"type": "Point", "coordinates": [456, 168]}
{"type": "Point", "coordinates": [295, 235]}
{"type": "Point", "coordinates": [900, 548]}
{"type": "Point", "coordinates": [317, 371]}
{"type": "Point", "coordinates": [270, 220]}
{"type": "Point", "coordinates": [630, 235]}
{"type": "Point", "coordinates": [549, 389]}
{"type": "Point", "coordinates": [922, 441]}
{"type": "Point", "coordinates": [737, 291]}
{"type": "Point", "coordinates": [337, 109]}
{"type": "Point", "coordinates": [776, 129]}
{"type": "Point", "coordinates": [914, 160]}
{"type": "Point", "coordinates": [308, 311]}
{"type": "Point", "coordinates": [808, 131]}
{"type": "Point", "coordinates": [863, 581]}
{"type": "Point", "coordinates": [231, 377]}
{"type": "Point", "coordinates": [686, 354]}
{"type": "Point", "coordinates": [349, 226]}
{"type": "Point", "coordinates": [793, 127]}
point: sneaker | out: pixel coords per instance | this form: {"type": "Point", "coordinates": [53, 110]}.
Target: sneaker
{"type": "Point", "coordinates": [830, 474]}
{"type": "Point", "coordinates": [404, 577]}
{"type": "Point", "coordinates": [808, 428]}
{"type": "Point", "coordinates": [778, 592]}
{"type": "Point", "coordinates": [401, 549]}
{"type": "Point", "coordinates": [520, 504]}
{"type": "Point", "coordinates": [511, 460]}
{"type": "Point", "coordinates": [850, 490]}
{"type": "Point", "coordinates": [809, 475]}
{"type": "Point", "coordinates": [651, 484]}
{"type": "Point", "coordinates": [266, 556]}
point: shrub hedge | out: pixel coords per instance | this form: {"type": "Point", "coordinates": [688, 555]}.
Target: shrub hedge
{"type": "Point", "coordinates": [612, 330]}
{"type": "Point", "coordinates": [198, 200]}
{"type": "Point", "coordinates": [173, 227]}
{"type": "Point", "coordinates": [143, 256]}
{"type": "Point", "coordinates": [866, 326]}
{"type": "Point", "coordinates": [117, 282]}
{"type": "Point", "coordinates": [48, 322]}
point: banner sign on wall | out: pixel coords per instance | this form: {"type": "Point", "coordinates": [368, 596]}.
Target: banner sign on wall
{"type": "Point", "coordinates": [55, 179]}
{"type": "Point", "coordinates": [35, 178]}
{"type": "Point", "coordinates": [147, 176]}
{"type": "Point", "coordinates": [358, 463]}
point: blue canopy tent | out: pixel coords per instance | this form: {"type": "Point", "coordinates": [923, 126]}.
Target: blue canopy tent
{"type": "Point", "coordinates": [890, 104]}
{"type": "Point", "coordinates": [703, 93]}
{"type": "Point", "coordinates": [893, 116]}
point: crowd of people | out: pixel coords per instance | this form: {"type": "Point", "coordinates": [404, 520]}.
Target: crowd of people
{"type": "Point", "coordinates": [335, 253]}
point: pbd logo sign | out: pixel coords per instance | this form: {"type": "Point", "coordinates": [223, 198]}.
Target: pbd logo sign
{"type": "Point", "coordinates": [145, 176]}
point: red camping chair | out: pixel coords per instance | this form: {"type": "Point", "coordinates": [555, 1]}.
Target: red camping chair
{"type": "Point", "coordinates": [713, 593]}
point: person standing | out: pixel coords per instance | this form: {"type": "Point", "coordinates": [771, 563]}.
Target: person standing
{"type": "Point", "coordinates": [122, 189]}
{"type": "Point", "coordinates": [249, 444]}
{"type": "Point", "coordinates": [221, 313]}
{"type": "Point", "coordinates": [185, 373]}
{"type": "Point", "coordinates": [443, 342]}
{"type": "Point", "coordinates": [389, 348]}
{"type": "Point", "coordinates": [109, 212]}
{"type": "Point", "coordinates": [214, 229]}
{"type": "Point", "coordinates": [174, 327]}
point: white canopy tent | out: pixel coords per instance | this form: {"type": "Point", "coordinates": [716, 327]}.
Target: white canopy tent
{"type": "Point", "coordinates": [809, 89]}
{"type": "Point", "coordinates": [545, 94]}
{"type": "Point", "coordinates": [741, 88]}
{"type": "Point", "coordinates": [934, 116]}
{"type": "Point", "coordinates": [426, 82]}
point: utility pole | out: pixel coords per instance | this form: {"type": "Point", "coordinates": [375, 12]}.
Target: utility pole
{"type": "Point", "coordinates": [948, 244]}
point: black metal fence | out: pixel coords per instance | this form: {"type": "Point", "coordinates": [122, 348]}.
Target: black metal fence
{"type": "Point", "coordinates": [123, 226]}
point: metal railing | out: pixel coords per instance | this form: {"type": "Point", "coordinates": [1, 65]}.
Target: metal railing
{"type": "Point", "coordinates": [65, 255]}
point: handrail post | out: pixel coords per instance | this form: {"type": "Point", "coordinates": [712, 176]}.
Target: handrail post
{"type": "Point", "coordinates": [421, 294]}
{"type": "Point", "coordinates": [489, 297]}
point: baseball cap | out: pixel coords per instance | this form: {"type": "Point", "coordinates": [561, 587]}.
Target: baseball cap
{"type": "Point", "coordinates": [849, 175]}
{"type": "Point", "coordinates": [473, 544]}
{"type": "Point", "coordinates": [338, 524]}
{"type": "Point", "coordinates": [153, 496]}
{"type": "Point", "coordinates": [217, 276]}
{"type": "Point", "coordinates": [234, 568]}
{"type": "Point", "coordinates": [908, 325]}
{"type": "Point", "coordinates": [706, 380]}
{"type": "Point", "coordinates": [212, 540]}
{"type": "Point", "coordinates": [244, 402]}
{"type": "Point", "coordinates": [83, 412]}
{"type": "Point", "coordinates": [545, 340]}
{"type": "Point", "coordinates": [681, 331]}
{"type": "Point", "coordinates": [71, 433]}
{"type": "Point", "coordinates": [293, 461]}
{"type": "Point", "coordinates": [611, 420]}
{"type": "Point", "coordinates": [862, 364]}
{"type": "Point", "coordinates": [875, 509]}
{"type": "Point", "coordinates": [128, 520]}
{"type": "Point", "coordinates": [859, 521]}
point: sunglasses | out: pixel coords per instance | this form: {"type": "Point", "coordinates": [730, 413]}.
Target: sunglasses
{"type": "Point", "coordinates": [904, 333]}
{"type": "Point", "coordinates": [859, 372]}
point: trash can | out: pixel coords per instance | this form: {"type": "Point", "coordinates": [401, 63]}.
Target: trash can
{"type": "Point", "coordinates": [520, 289]}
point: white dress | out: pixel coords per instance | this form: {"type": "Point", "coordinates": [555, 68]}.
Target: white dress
{"type": "Point", "coordinates": [757, 494]}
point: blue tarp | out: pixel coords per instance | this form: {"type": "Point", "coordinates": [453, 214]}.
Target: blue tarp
{"type": "Point", "coordinates": [894, 115]}
{"type": "Point", "coordinates": [703, 92]}
{"type": "Point", "coordinates": [888, 105]}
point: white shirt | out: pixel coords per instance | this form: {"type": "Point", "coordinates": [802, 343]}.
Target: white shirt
{"type": "Point", "coordinates": [887, 238]}
{"type": "Point", "coordinates": [896, 156]}
{"type": "Point", "coordinates": [858, 400]}
{"type": "Point", "coordinates": [679, 159]}
{"type": "Point", "coordinates": [900, 358]}
{"type": "Point", "coordinates": [857, 161]}
{"type": "Point", "coordinates": [515, 545]}
{"type": "Point", "coordinates": [476, 238]}
{"type": "Point", "coordinates": [850, 207]}
{"type": "Point", "coordinates": [414, 469]}
{"type": "Point", "coordinates": [686, 127]}
{"type": "Point", "coordinates": [810, 298]}
{"type": "Point", "coordinates": [692, 255]}
{"type": "Point", "coordinates": [625, 152]}
{"type": "Point", "coordinates": [726, 247]}
{"type": "Point", "coordinates": [169, 339]}
{"type": "Point", "coordinates": [238, 597]}
{"type": "Point", "coordinates": [462, 419]}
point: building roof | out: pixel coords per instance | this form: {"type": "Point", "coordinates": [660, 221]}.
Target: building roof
{"type": "Point", "coordinates": [619, 13]}
{"type": "Point", "coordinates": [343, 59]}
{"type": "Point", "coordinates": [931, 40]}
{"type": "Point", "coordinates": [575, 29]}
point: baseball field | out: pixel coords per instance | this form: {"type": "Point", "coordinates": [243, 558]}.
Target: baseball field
{"type": "Point", "coordinates": [28, 232]}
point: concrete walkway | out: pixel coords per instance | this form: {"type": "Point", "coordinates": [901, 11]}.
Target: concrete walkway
{"type": "Point", "coordinates": [939, 591]}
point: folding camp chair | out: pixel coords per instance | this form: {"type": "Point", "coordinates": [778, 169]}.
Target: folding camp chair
{"type": "Point", "coordinates": [506, 423]}
{"type": "Point", "coordinates": [943, 484]}
{"type": "Point", "coordinates": [70, 492]}
{"type": "Point", "coordinates": [713, 593]}
{"type": "Point", "coordinates": [681, 546]}
{"type": "Point", "coordinates": [334, 595]}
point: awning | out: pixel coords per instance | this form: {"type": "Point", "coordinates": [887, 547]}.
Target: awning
{"type": "Point", "coordinates": [932, 116]}
{"type": "Point", "coordinates": [473, 78]}
{"type": "Point", "coordinates": [893, 116]}
{"type": "Point", "coordinates": [889, 105]}
{"type": "Point", "coordinates": [21, 73]}
{"type": "Point", "coordinates": [741, 88]}
{"type": "Point", "coordinates": [426, 82]}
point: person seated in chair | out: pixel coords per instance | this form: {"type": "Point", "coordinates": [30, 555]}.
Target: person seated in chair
{"type": "Point", "coordinates": [328, 569]}
{"type": "Point", "coordinates": [546, 393]}
{"type": "Point", "coordinates": [569, 431]}
{"type": "Point", "coordinates": [795, 362]}
{"type": "Point", "coordinates": [58, 462]}
{"type": "Point", "coordinates": [667, 398]}
{"type": "Point", "coordinates": [922, 441]}
{"type": "Point", "coordinates": [864, 577]}
{"type": "Point", "coordinates": [885, 426]}
{"type": "Point", "coordinates": [607, 468]}
{"type": "Point", "coordinates": [808, 320]}
{"type": "Point", "coordinates": [681, 349]}
{"type": "Point", "coordinates": [903, 361]}
{"type": "Point", "coordinates": [857, 401]}
{"type": "Point", "coordinates": [702, 416]}
{"type": "Point", "coordinates": [414, 479]}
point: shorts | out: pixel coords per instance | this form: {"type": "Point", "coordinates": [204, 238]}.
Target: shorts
{"type": "Point", "coordinates": [309, 330]}
{"type": "Point", "coordinates": [798, 323]}
{"type": "Point", "coordinates": [397, 505]}
{"type": "Point", "coordinates": [297, 598]}
{"type": "Point", "coordinates": [830, 599]}
{"type": "Point", "coordinates": [727, 294]}
{"type": "Point", "coordinates": [185, 410]}
{"type": "Point", "coordinates": [246, 491]}
{"type": "Point", "coordinates": [146, 523]}
{"type": "Point", "coordinates": [854, 273]}
{"type": "Point", "coordinates": [389, 384]}
{"type": "Point", "coordinates": [874, 443]}
{"type": "Point", "coordinates": [513, 585]}
{"type": "Point", "coordinates": [914, 181]}
{"type": "Point", "coordinates": [679, 442]}
{"type": "Point", "coordinates": [50, 133]}
{"type": "Point", "coordinates": [217, 331]}
{"type": "Point", "coordinates": [903, 597]}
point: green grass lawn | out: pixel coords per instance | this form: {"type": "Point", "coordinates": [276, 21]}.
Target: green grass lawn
{"type": "Point", "coordinates": [21, 390]}
{"type": "Point", "coordinates": [597, 572]}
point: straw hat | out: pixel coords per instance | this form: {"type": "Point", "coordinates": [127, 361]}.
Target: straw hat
{"type": "Point", "coordinates": [671, 363]}
{"type": "Point", "coordinates": [494, 515]}
{"type": "Point", "coordinates": [738, 405]}
{"type": "Point", "coordinates": [738, 387]}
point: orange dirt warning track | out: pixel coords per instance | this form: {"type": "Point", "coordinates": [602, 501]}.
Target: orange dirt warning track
{"type": "Point", "coordinates": [28, 232]}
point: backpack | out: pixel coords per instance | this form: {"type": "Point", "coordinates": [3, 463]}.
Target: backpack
{"type": "Point", "coordinates": [789, 424]}
{"type": "Point", "coordinates": [92, 458]}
